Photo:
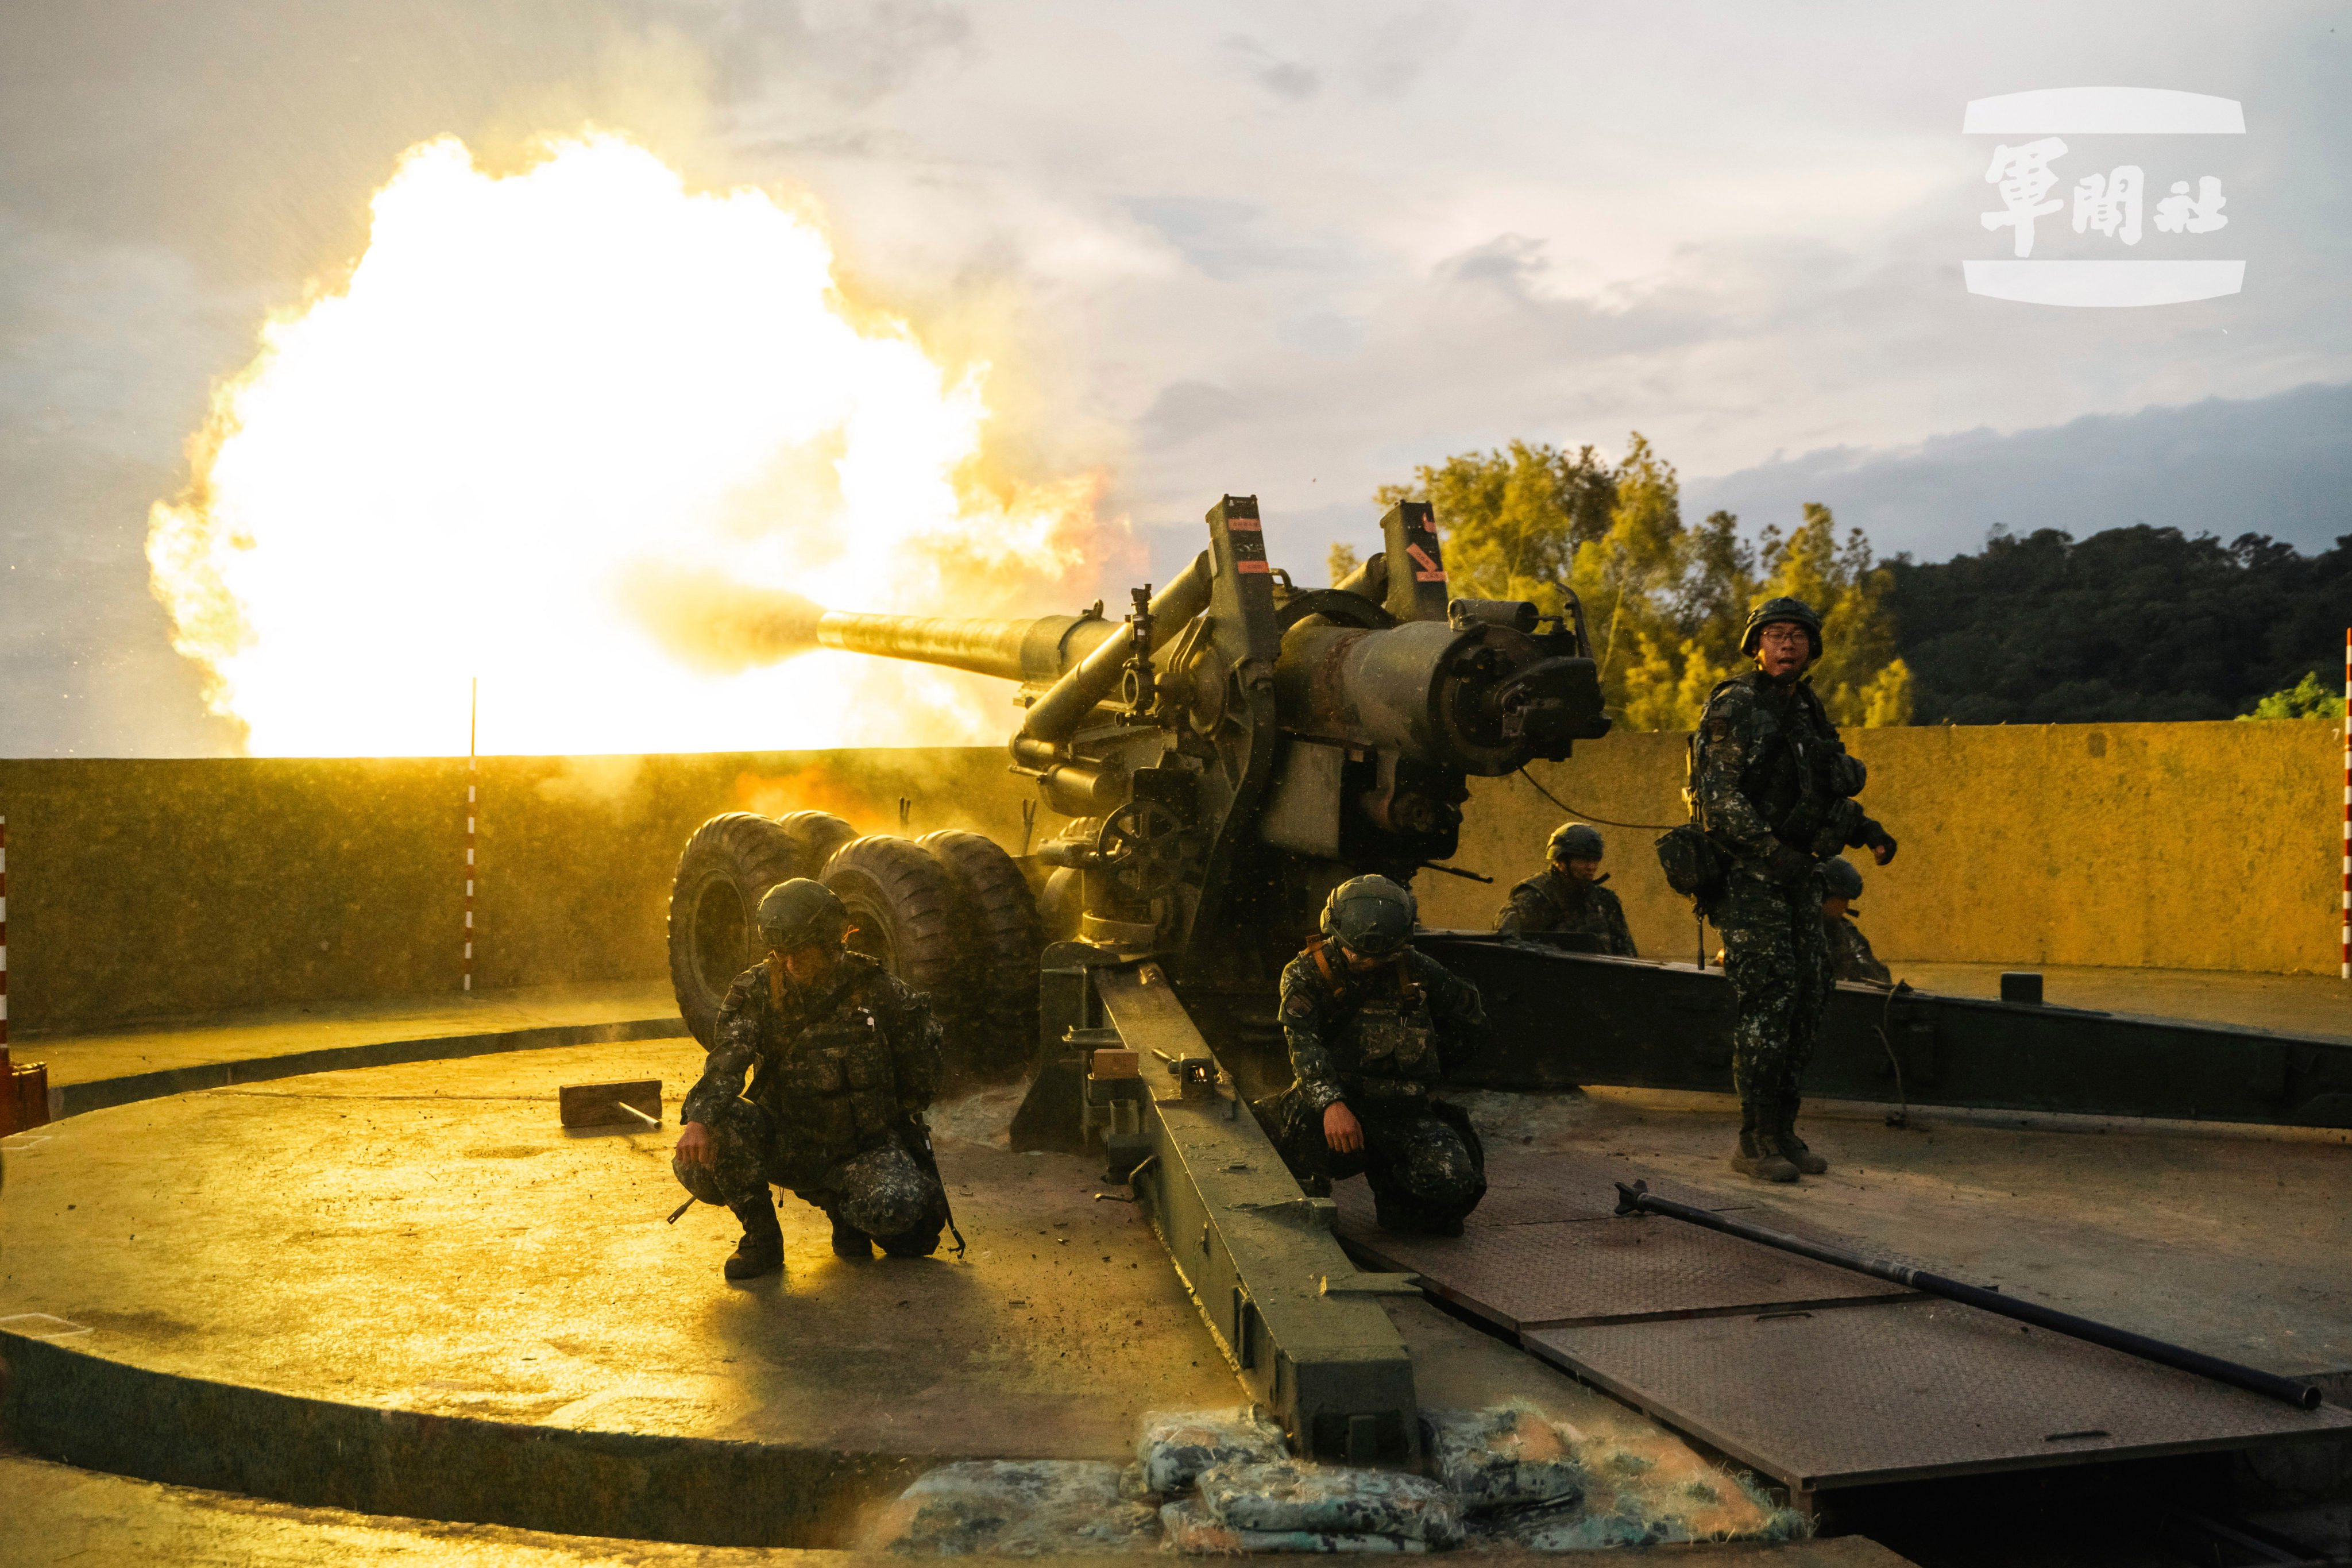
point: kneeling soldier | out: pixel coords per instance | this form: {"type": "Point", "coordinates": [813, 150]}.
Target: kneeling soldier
{"type": "Point", "coordinates": [1366, 1018]}
{"type": "Point", "coordinates": [1850, 954]}
{"type": "Point", "coordinates": [1570, 897]}
{"type": "Point", "coordinates": [844, 1061]}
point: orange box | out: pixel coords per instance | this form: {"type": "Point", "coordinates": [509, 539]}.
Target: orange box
{"type": "Point", "coordinates": [1105, 1065]}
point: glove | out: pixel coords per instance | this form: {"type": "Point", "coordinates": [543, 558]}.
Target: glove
{"type": "Point", "coordinates": [1788, 865]}
{"type": "Point", "coordinates": [1879, 842]}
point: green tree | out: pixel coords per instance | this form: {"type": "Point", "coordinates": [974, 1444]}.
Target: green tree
{"type": "Point", "coordinates": [1342, 561]}
{"type": "Point", "coordinates": [1664, 601]}
{"type": "Point", "coordinates": [1513, 518]}
{"type": "Point", "coordinates": [2306, 698]}
{"type": "Point", "coordinates": [1860, 679]}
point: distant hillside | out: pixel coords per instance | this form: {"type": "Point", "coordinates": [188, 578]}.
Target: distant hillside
{"type": "Point", "coordinates": [2131, 624]}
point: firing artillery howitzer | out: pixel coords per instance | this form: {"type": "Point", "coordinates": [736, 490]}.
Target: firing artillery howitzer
{"type": "Point", "coordinates": [1225, 755]}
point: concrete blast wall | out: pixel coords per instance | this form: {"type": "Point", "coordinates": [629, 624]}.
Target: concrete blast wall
{"type": "Point", "coordinates": [163, 889]}
{"type": "Point", "coordinates": [170, 889]}
{"type": "Point", "coordinates": [2211, 845]}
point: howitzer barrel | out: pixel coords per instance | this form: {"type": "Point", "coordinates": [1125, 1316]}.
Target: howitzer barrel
{"type": "Point", "coordinates": [1034, 651]}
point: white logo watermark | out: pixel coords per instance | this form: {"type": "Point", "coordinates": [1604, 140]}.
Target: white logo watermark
{"type": "Point", "coordinates": [2111, 203]}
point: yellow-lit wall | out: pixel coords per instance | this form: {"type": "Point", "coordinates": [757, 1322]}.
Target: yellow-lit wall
{"type": "Point", "coordinates": [2211, 846]}
{"type": "Point", "coordinates": [158, 890]}
{"type": "Point", "coordinates": [162, 889]}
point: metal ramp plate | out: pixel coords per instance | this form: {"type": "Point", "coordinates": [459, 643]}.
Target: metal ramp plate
{"type": "Point", "coordinates": [1540, 1189]}
{"type": "Point", "coordinates": [1911, 1390]}
{"type": "Point", "coordinates": [1523, 1277]}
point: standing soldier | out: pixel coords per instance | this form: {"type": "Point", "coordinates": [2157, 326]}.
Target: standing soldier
{"type": "Point", "coordinates": [1368, 1020]}
{"type": "Point", "coordinates": [844, 1061]}
{"type": "Point", "coordinates": [1570, 897]}
{"type": "Point", "coordinates": [1773, 788]}
{"type": "Point", "coordinates": [1850, 954]}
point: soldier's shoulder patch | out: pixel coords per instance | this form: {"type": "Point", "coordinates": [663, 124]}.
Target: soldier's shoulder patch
{"type": "Point", "coordinates": [1297, 1004]}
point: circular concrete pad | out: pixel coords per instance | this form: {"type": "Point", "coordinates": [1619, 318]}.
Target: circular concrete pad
{"type": "Point", "coordinates": [408, 1289]}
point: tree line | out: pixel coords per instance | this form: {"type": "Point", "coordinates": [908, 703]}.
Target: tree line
{"type": "Point", "coordinates": [2133, 623]}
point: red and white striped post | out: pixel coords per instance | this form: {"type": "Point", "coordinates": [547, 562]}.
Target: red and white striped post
{"type": "Point", "coordinates": [2346, 930]}
{"type": "Point", "coordinates": [473, 717]}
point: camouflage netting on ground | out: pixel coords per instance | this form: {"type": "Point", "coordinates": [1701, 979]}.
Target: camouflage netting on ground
{"type": "Point", "coordinates": [1641, 1491]}
{"type": "Point", "coordinates": [1509, 1457]}
{"type": "Point", "coordinates": [1177, 1447]}
{"type": "Point", "coordinates": [1013, 1507]}
{"type": "Point", "coordinates": [1192, 1527]}
{"type": "Point", "coordinates": [1290, 1498]}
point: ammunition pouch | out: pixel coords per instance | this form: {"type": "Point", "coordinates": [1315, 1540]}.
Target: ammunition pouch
{"type": "Point", "coordinates": [1693, 865]}
{"type": "Point", "coordinates": [1841, 824]}
{"type": "Point", "coordinates": [1847, 776]}
{"type": "Point", "coordinates": [832, 1093]}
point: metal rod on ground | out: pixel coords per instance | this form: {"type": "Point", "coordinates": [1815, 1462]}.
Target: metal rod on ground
{"type": "Point", "coordinates": [648, 1120]}
{"type": "Point", "coordinates": [1635, 1199]}
{"type": "Point", "coordinates": [682, 1208]}
{"type": "Point", "coordinates": [473, 720]}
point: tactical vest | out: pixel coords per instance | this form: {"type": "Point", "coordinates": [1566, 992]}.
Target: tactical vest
{"type": "Point", "coordinates": [830, 1084]}
{"type": "Point", "coordinates": [1791, 777]}
{"type": "Point", "coordinates": [1389, 1043]}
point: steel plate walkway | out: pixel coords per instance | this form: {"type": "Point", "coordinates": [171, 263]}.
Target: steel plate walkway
{"type": "Point", "coordinates": [1821, 1377]}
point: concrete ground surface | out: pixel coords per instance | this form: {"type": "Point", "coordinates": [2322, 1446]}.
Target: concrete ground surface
{"type": "Point", "coordinates": [428, 1238]}
{"type": "Point", "coordinates": [120, 1053]}
{"type": "Point", "coordinates": [2241, 1247]}
{"type": "Point", "coordinates": [2298, 1003]}
{"type": "Point", "coordinates": [56, 1515]}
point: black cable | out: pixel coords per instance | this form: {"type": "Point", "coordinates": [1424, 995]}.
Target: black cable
{"type": "Point", "coordinates": [1588, 816]}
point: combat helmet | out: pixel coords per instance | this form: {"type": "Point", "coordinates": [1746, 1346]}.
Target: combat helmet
{"type": "Point", "coordinates": [1840, 878]}
{"type": "Point", "coordinates": [1369, 916]}
{"type": "Point", "coordinates": [798, 913]}
{"type": "Point", "coordinates": [1573, 841]}
{"type": "Point", "coordinates": [1781, 608]}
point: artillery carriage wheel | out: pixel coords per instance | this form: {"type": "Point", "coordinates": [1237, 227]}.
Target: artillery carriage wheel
{"type": "Point", "coordinates": [904, 905]}
{"type": "Point", "coordinates": [819, 834]}
{"type": "Point", "coordinates": [1001, 917]}
{"type": "Point", "coordinates": [731, 860]}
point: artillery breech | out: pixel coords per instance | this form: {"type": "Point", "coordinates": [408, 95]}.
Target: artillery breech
{"type": "Point", "coordinates": [1634, 1199]}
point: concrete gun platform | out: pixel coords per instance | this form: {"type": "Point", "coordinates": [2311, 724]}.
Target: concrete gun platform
{"type": "Point", "coordinates": [407, 1290]}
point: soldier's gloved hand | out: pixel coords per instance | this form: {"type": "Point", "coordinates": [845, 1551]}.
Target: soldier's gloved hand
{"type": "Point", "coordinates": [1880, 843]}
{"type": "Point", "coordinates": [1788, 865]}
{"type": "Point", "coordinates": [694, 1146]}
{"type": "Point", "coordinates": [1341, 1130]}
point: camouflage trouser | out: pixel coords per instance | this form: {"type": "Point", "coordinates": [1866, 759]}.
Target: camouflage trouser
{"type": "Point", "coordinates": [887, 1192]}
{"type": "Point", "coordinates": [1778, 959]}
{"type": "Point", "coordinates": [1423, 1163]}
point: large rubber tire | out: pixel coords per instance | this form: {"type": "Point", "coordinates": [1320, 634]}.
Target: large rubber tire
{"type": "Point", "coordinates": [727, 864]}
{"type": "Point", "coordinates": [819, 834]}
{"type": "Point", "coordinates": [905, 911]}
{"type": "Point", "coordinates": [1005, 940]}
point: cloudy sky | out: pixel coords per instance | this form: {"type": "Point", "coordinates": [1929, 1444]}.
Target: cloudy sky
{"type": "Point", "coordinates": [1292, 250]}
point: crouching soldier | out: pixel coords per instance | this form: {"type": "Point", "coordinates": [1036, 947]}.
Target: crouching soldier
{"type": "Point", "coordinates": [1850, 954]}
{"type": "Point", "coordinates": [1570, 897]}
{"type": "Point", "coordinates": [843, 1060]}
{"type": "Point", "coordinates": [1368, 1020]}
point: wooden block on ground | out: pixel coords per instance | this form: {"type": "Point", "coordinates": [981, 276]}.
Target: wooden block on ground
{"type": "Point", "coordinates": [29, 1086]}
{"type": "Point", "coordinates": [599, 1104]}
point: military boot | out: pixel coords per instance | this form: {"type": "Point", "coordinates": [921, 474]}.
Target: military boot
{"type": "Point", "coordinates": [761, 1250]}
{"type": "Point", "coordinates": [1756, 1155]}
{"type": "Point", "coordinates": [848, 1241]}
{"type": "Point", "coordinates": [1793, 1148]}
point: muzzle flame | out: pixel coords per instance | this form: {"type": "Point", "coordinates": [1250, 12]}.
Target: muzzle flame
{"type": "Point", "coordinates": [588, 437]}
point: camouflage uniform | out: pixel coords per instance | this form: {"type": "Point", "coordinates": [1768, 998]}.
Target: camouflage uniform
{"type": "Point", "coordinates": [1373, 1041]}
{"type": "Point", "coordinates": [1772, 785]}
{"type": "Point", "coordinates": [839, 1084]}
{"type": "Point", "coordinates": [1554, 901]}
{"type": "Point", "coordinates": [1850, 954]}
